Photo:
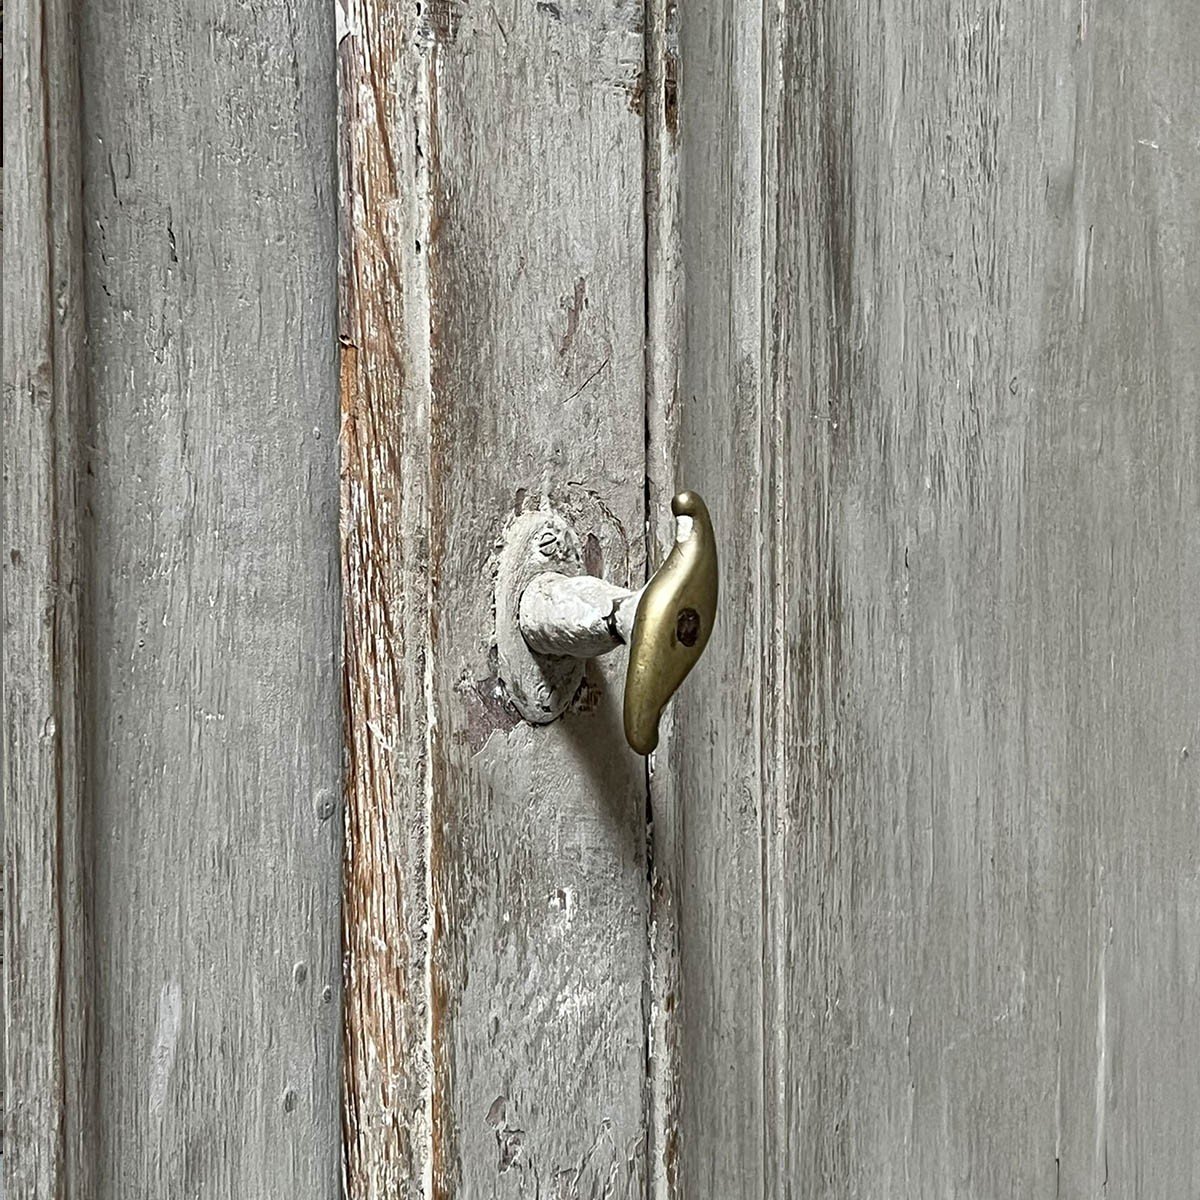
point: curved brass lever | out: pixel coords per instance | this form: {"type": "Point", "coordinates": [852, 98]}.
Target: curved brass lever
{"type": "Point", "coordinates": [550, 617]}
{"type": "Point", "coordinates": [674, 620]}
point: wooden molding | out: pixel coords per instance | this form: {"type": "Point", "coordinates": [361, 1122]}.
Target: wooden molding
{"type": "Point", "coordinates": [44, 398]}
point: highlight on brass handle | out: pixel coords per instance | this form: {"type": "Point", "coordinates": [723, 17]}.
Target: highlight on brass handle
{"type": "Point", "coordinates": [551, 617]}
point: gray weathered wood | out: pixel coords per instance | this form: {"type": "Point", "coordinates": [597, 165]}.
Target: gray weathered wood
{"type": "Point", "coordinates": [3, 1073]}
{"type": "Point", "coordinates": [45, 1009]}
{"type": "Point", "coordinates": [211, 615]}
{"type": "Point", "coordinates": [495, 351]}
{"type": "Point", "coordinates": [538, 834]}
{"type": "Point", "coordinates": [173, 497]}
{"type": "Point", "coordinates": [972, 660]}
{"type": "Point", "coordinates": [663, 330]}
{"type": "Point", "coordinates": [709, 780]}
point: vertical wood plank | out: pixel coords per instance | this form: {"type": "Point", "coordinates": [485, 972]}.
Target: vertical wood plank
{"type": "Point", "coordinates": [708, 782]}
{"type": "Point", "coordinates": [44, 1002]}
{"type": "Point", "coordinates": [384, 97]}
{"type": "Point", "coordinates": [664, 327]}
{"type": "Point", "coordinates": [211, 613]}
{"type": "Point", "coordinates": [537, 321]}
{"type": "Point", "coordinates": [977, 627]}
{"type": "Point", "coordinates": [3, 805]}
{"type": "Point", "coordinates": [989, 674]}
{"type": "Point", "coordinates": [517, 130]}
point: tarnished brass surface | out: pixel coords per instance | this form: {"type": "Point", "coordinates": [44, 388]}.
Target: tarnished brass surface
{"type": "Point", "coordinates": [673, 622]}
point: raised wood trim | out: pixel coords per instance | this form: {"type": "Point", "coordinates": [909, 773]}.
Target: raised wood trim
{"type": "Point", "coordinates": [664, 334]}
{"type": "Point", "coordinates": [44, 395]}
{"type": "Point", "coordinates": [385, 142]}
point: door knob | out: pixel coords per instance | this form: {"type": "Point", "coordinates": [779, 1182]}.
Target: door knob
{"type": "Point", "coordinates": [551, 617]}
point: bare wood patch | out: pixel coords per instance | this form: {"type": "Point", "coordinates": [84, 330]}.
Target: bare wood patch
{"type": "Point", "coordinates": [385, 468]}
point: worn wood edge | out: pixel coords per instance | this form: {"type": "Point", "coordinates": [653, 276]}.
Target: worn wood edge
{"type": "Point", "coordinates": [3, 224]}
{"type": "Point", "coordinates": [778, 717]}
{"type": "Point", "coordinates": [385, 213]}
{"type": "Point", "coordinates": [44, 397]}
{"type": "Point", "coordinates": [716, 766]}
{"type": "Point", "coordinates": [773, 699]}
{"type": "Point", "coordinates": [663, 350]}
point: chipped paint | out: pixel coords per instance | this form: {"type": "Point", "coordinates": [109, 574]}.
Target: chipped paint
{"type": "Point", "coordinates": [166, 1039]}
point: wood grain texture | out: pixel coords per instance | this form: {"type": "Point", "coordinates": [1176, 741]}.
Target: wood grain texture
{"type": "Point", "coordinates": [538, 834]}
{"type": "Point", "coordinates": [3, 940]}
{"type": "Point", "coordinates": [709, 781]}
{"type": "Point", "coordinates": [516, 128]}
{"type": "Point", "coordinates": [972, 593]}
{"type": "Point", "coordinates": [383, 92]}
{"type": "Point", "coordinates": [210, 611]}
{"type": "Point", "coordinates": [664, 262]}
{"type": "Point", "coordinates": [44, 1003]}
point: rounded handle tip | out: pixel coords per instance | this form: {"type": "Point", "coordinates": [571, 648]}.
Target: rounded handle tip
{"type": "Point", "coordinates": [688, 504]}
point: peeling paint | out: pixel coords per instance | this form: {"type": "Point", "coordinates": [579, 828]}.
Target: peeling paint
{"type": "Point", "coordinates": [166, 1038]}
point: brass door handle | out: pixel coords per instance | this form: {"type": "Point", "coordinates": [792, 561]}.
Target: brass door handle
{"type": "Point", "coordinates": [674, 620]}
{"type": "Point", "coordinates": [550, 617]}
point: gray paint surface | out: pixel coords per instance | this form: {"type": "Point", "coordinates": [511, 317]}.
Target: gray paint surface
{"type": "Point", "coordinates": [196, 450]}
{"type": "Point", "coordinates": [44, 960]}
{"type": "Point", "coordinates": [538, 834]}
{"type": "Point", "coordinates": [709, 785]}
{"type": "Point", "coordinates": [210, 638]}
{"type": "Point", "coordinates": [971, 664]}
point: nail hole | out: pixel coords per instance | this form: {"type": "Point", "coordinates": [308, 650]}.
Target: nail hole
{"type": "Point", "coordinates": [687, 626]}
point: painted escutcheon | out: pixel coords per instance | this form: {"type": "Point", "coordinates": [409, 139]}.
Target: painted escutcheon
{"type": "Point", "coordinates": [540, 686]}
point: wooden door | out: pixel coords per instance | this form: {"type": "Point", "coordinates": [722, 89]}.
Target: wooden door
{"type": "Point", "coordinates": [905, 904]}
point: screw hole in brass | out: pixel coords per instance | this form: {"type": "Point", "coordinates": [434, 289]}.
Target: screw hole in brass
{"type": "Point", "coordinates": [687, 627]}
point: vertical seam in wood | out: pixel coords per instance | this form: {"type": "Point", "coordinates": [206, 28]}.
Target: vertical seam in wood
{"type": "Point", "coordinates": [428, 112]}
{"type": "Point", "coordinates": [45, 1085]}
{"type": "Point", "coordinates": [663, 356]}
{"type": "Point", "coordinates": [768, 568]}
{"type": "Point", "coordinates": [649, 12]}
{"type": "Point", "coordinates": [425, 116]}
